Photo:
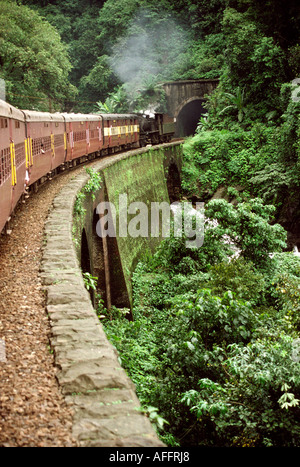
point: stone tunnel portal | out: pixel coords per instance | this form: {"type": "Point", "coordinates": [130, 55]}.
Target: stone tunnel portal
{"type": "Point", "coordinates": [189, 116]}
{"type": "Point", "coordinates": [185, 102]}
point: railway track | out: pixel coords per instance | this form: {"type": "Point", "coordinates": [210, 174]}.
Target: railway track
{"type": "Point", "coordinates": [33, 412]}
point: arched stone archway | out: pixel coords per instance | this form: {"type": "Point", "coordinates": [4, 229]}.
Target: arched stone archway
{"type": "Point", "coordinates": [86, 264]}
{"type": "Point", "coordinates": [188, 116]}
{"type": "Point", "coordinates": [108, 268]}
{"type": "Point", "coordinates": [85, 253]}
{"type": "Point", "coordinates": [111, 258]}
{"type": "Point", "coordinates": [173, 182]}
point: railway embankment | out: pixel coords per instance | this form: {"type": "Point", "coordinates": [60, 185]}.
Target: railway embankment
{"type": "Point", "coordinates": [97, 388]}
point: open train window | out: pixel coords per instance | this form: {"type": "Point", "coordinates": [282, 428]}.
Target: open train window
{"type": "Point", "coordinates": [17, 124]}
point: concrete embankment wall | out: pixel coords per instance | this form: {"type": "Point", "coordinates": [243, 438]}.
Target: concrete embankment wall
{"type": "Point", "coordinates": [106, 408]}
{"type": "Point", "coordinates": [142, 179]}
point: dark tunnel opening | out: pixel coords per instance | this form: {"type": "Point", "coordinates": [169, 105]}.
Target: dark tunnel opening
{"type": "Point", "coordinates": [188, 118]}
{"type": "Point", "coordinates": [174, 183]}
{"type": "Point", "coordinates": [86, 260]}
{"type": "Point", "coordinates": [85, 255]}
{"type": "Point", "coordinates": [111, 285]}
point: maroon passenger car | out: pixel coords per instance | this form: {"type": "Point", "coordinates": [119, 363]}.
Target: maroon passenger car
{"type": "Point", "coordinates": [120, 130]}
{"type": "Point", "coordinates": [45, 141]}
{"type": "Point", "coordinates": [12, 159]}
{"type": "Point", "coordinates": [34, 144]}
{"type": "Point", "coordinates": [83, 135]}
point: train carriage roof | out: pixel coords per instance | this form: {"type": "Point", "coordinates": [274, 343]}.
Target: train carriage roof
{"type": "Point", "coordinates": [118, 116]}
{"type": "Point", "coordinates": [35, 116]}
{"type": "Point", "coordinates": [8, 111]}
{"type": "Point", "coordinates": [74, 117]}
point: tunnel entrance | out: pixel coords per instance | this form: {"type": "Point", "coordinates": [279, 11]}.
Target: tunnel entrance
{"type": "Point", "coordinates": [189, 116]}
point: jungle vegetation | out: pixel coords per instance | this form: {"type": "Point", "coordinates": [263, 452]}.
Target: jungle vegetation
{"type": "Point", "coordinates": [226, 372]}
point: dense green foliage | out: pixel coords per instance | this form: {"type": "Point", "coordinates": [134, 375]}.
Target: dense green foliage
{"type": "Point", "coordinates": [34, 62]}
{"type": "Point", "coordinates": [214, 345]}
{"type": "Point", "coordinates": [248, 142]}
{"type": "Point", "coordinates": [135, 45]}
{"type": "Point", "coordinates": [131, 45]}
{"type": "Point", "coordinates": [214, 342]}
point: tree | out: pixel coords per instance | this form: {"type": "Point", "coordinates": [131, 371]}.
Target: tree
{"type": "Point", "coordinates": [237, 103]}
{"type": "Point", "coordinates": [146, 52]}
{"type": "Point", "coordinates": [277, 18]}
{"type": "Point", "coordinates": [205, 17]}
{"type": "Point", "coordinates": [96, 85]}
{"type": "Point", "coordinates": [116, 102]}
{"type": "Point", "coordinates": [34, 62]}
{"type": "Point", "coordinates": [248, 225]}
{"type": "Point", "coordinates": [77, 23]}
{"type": "Point", "coordinates": [253, 61]}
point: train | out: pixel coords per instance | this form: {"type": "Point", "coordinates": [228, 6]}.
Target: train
{"type": "Point", "coordinates": [35, 145]}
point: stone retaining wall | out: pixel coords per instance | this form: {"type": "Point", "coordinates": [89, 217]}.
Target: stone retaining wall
{"type": "Point", "coordinates": [106, 408]}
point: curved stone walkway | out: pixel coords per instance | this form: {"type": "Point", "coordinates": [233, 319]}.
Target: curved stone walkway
{"type": "Point", "coordinates": [103, 398]}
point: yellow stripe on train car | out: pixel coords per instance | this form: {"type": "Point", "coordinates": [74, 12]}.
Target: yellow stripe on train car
{"type": "Point", "coordinates": [26, 153]}
{"type": "Point", "coordinates": [52, 145]}
{"type": "Point", "coordinates": [13, 164]}
{"type": "Point", "coordinates": [29, 152]}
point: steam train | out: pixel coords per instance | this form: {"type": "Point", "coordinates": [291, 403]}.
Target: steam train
{"type": "Point", "coordinates": [36, 145]}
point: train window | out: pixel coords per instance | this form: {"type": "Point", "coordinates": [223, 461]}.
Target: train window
{"type": "Point", "coordinates": [79, 135]}
{"type": "Point", "coordinates": [17, 124]}
{"type": "Point", "coordinates": [36, 145]}
{"type": "Point", "coordinates": [4, 123]}
{"type": "Point", "coordinates": [41, 145]}
{"type": "Point", "coordinates": [59, 140]}
{"type": "Point", "coordinates": [56, 124]}
{"type": "Point", "coordinates": [5, 165]}
{"type": "Point", "coordinates": [20, 154]}
{"type": "Point", "coordinates": [46, 143]}
{"type": "Point", "coordinates": [46, 124]}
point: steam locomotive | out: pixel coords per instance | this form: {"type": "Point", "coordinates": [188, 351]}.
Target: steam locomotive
{"type": "Point", "coordinates": [36, 145]}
